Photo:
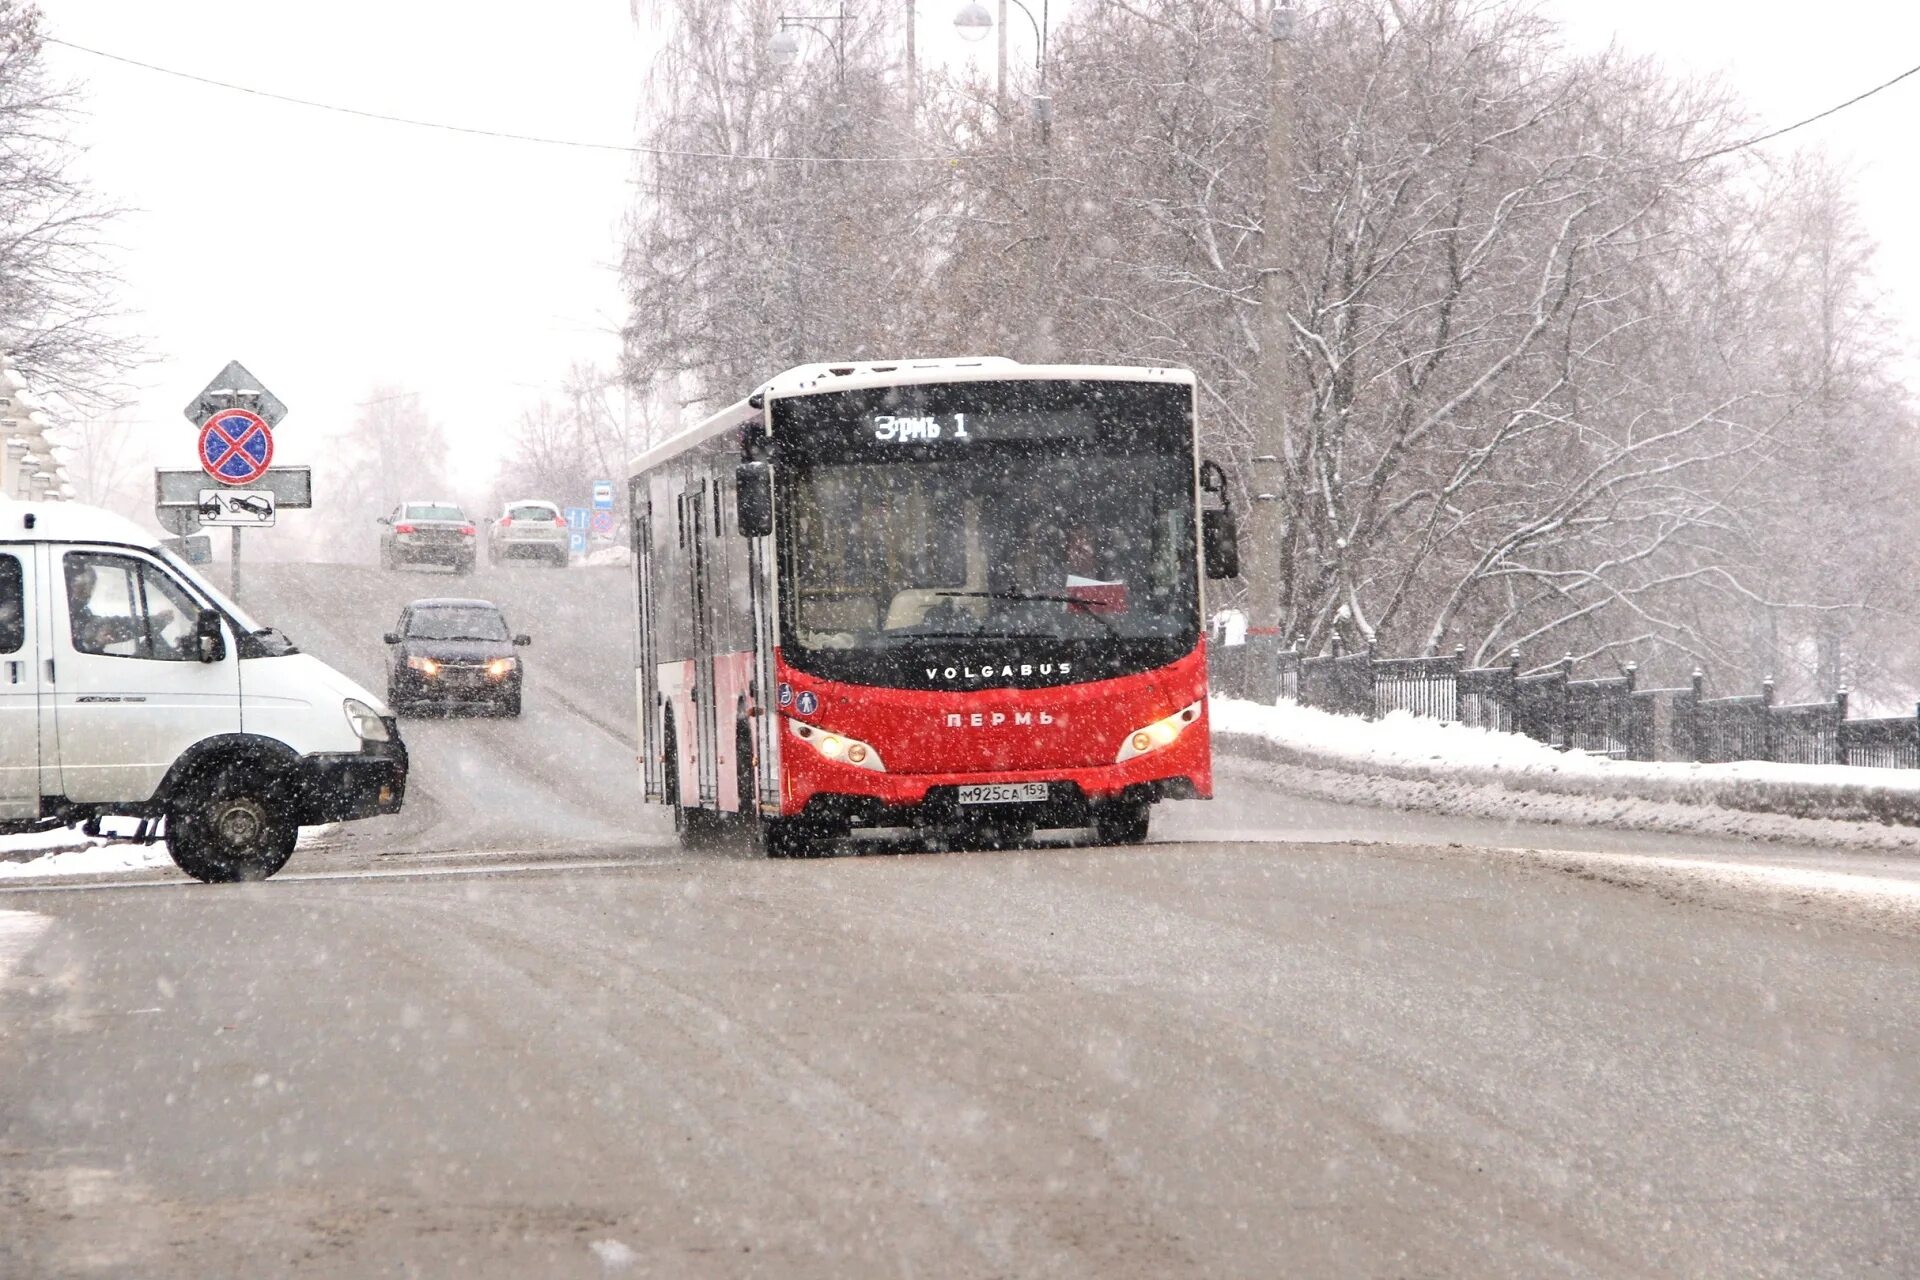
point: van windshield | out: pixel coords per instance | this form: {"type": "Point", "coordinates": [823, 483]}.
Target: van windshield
{"type": "Point", "coordinates": [257, 639]}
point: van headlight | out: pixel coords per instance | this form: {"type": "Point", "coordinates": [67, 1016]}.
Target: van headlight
{"type": "Point", "coordinates": [837, 746]}
{"type": "Point", "coordinates": [1160, 733]}
{"type": "Point", "coordinates": [366, 721]}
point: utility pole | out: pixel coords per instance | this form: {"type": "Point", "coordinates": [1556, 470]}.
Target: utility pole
{"type": "Point", "coordinates": [913, 76]}
{"type": "Point", "coordinates": [1000, 80]}
{"type": "Point", "coordinates": [1266, 592]}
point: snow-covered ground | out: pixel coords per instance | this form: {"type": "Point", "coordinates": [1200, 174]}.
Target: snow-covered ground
{"type": "Point", "coordinates": [18, 932]}
{"type": "Point", "coordinates": [66, 851]}
{"type": "Point", "coordinates": [1412, 762]}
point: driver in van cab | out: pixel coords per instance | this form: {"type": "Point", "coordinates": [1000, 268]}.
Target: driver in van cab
{"type": "Point", "coordinates": [92, 632]}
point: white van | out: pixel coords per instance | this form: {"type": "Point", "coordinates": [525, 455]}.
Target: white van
{"type": "Point", "coordinates": [130, 687]}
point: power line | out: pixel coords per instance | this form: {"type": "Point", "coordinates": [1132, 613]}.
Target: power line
{"type": "Point", "coordinates": [1798, 124]}
{"type": "Point", "coordinates": [501, 134]}
{"type": "Point", "coordinates": [736, 157]}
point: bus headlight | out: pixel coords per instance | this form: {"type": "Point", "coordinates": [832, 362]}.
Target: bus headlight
{"type": "Point", "coordinates": [837, 746]}
{"type": "Point", "coordinates": [1160, 733]}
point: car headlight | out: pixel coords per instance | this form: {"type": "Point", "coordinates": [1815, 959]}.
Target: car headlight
{"type": "Point", "coordinates": [425, 666]}
{"type": "Point", "coordinates": [366, 721]}
{"type": "Point", "coordinates": [1154, 736]}
{"type": "Point", "coordinates": [500, 667]}
{"type": "Point", "coordinates": [837, 746]}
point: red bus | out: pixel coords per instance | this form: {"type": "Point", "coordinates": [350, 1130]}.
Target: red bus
{"type": "Point", "coordinates": [959, 595]}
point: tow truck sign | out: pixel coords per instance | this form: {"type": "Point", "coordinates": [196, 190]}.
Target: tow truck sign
{"type": "Point", "coordinates": [238, 508]}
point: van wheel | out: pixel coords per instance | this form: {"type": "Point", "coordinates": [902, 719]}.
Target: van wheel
{"type": "Point", "coordinates": [230, 826]}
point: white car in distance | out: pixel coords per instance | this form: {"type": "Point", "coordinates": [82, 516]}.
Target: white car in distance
{"type": "Point", "coordinates": [528, 529]}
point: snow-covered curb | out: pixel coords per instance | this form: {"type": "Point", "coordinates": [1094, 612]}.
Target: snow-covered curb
{"type": "Point", "coordinates": [1413, 749]}
{"type": "Point", "coordinates": [92, 860]}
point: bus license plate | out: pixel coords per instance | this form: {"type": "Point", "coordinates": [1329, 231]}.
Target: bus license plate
{"type": "Point", "coordinates": [1003, 793]}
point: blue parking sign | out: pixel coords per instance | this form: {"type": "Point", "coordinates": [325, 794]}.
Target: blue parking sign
{"type": "Point", "coordinates": [578, 520]}
{"type": "Point", "coordinates": [576, 542]}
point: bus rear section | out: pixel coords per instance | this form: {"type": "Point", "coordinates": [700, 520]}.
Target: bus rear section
{"type": "Point", "coordinates": [961, 597]}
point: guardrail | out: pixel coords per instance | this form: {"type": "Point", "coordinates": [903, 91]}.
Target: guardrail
{"type": "Point", "coordinates": [1607, 715]}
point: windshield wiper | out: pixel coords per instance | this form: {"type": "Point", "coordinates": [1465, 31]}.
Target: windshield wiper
{"type": "Point", "coordinates": [967, 635]}
{"type": "Point", "coordinates": [1024, 598]}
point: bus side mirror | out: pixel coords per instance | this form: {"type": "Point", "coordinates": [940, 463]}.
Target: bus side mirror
{"type": "Point", "coordinates": [212, 640]}
{"type": "Point", "coordinates": [753, 498]}
{"type": "Point", "coordinates": [1220, 542]}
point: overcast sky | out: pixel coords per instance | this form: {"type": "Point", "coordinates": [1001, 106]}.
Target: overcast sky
{"type": "Point", "coordinates": [332, 254]}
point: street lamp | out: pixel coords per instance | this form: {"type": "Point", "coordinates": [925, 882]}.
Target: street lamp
{"type": "Point", "coordinates": [974, 21]}
{"type": "Point", "coordinates": [784, 48]}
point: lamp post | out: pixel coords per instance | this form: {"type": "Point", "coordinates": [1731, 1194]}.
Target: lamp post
{"type": "Point", "coordinates": [1267, 565]}
{"type": "Point", "coordinates": [974, 22]}
{"type": "Point", "coordinates": [785, 45]}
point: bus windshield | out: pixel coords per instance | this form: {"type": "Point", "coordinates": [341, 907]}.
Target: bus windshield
{"type": "Point", "coordinates": [986, 548]}
{"type": "Point", "coordinates": [1043, 532]}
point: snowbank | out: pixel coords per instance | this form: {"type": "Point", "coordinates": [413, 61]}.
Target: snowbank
{"type": "Point", "coordinates": [604, 556]}
{"type": "Point", "coordinates": [93, 860]}
{"type": "Point", "coordinates": [1415, 749]}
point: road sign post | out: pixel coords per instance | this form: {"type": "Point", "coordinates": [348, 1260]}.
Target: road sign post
{"type": "Point", "coordinates": [579, 520]}
{"type": "Point", "coordinates": [236, 415]}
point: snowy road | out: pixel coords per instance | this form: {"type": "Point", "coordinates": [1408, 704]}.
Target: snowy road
{"type": "Point", "coordinates": [552, 1045]}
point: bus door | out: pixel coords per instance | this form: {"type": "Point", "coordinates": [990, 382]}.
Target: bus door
{"type": "Point", "coordinates": [700, 613]}
{"type": "Point", "coordinates": [767, 724]}
{"type": "Point", "coordinates": [646, 650]}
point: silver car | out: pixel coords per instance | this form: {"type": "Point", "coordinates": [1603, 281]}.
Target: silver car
{"type": "Point", "coordinates": [428, 533]}
{"type": "Point", "coordinates": [528, 529]}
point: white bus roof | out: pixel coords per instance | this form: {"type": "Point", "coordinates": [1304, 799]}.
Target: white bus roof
{"type": "Point", "coordinates": [814, 379]}
{"type": "Point", "coordinates": [69, 522]}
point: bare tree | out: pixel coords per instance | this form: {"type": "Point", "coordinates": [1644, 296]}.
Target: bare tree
{"type": "Point", "coordinates": [58, 317]}
{"type": "Point", "coordinates": [392, 452]}
{"type": "Point", "coordinates": [107, 463]}
{"type": "Point", "coordinates": [1559, 383]}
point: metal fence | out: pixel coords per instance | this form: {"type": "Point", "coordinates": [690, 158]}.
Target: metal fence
{"type": "Point", "coordinates": [1606, 715]}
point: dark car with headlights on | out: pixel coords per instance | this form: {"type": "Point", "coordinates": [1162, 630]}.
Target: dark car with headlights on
{"type": "Point", "coordinates": [454, 653]}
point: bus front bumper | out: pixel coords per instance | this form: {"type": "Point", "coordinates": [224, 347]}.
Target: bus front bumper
{"type": "Point", "coordinates": [840, 794]}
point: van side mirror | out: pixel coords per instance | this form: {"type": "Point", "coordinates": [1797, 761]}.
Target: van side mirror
{"type": "Point", "coordinates": [523, 641]}
{"type": "Point", "coordinates": [753, 498]}
{"type": "Point", "coordinates": [211, 636]}
{"type": "Point", "coordinates": [392, 637]}
{"type": "Point", "coordinates": [1220, 542]}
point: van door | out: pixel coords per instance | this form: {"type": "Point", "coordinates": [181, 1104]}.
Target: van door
{"type": "Point", "coordinates": [19, 686]}
{"type": "Point", "coordinates": [130, 694]}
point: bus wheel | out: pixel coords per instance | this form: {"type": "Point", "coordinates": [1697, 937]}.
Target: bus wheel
{"type": "Point", "coordinates": [1123, 822]}
{"type": "Point", "coordinates": [787, 838]}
